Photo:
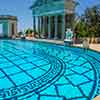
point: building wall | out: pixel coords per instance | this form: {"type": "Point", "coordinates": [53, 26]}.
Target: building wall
{"type": "Point", "coordinates": [60, 13]}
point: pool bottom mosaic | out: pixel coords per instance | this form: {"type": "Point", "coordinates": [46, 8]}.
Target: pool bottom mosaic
{"type": "Point", "coordinates": [42, 71]}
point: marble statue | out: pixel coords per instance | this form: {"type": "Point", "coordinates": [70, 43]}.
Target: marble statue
{"type": "Point", "coordinates": [68, 37]}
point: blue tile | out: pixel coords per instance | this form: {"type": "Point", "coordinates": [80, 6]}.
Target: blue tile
{"type": "Point", "coordinates": [62, 80]}
{"type": "Point", "coordinates": [46, 67]}
{"type": "Point", "coordinates": [2, 74]}
{"type": "Point", "coordinates": [11, 70]}
{"type": "Point", "coordinates": [50, 98]}
{"type": "Point", "coordinates": [27, 66]}
{"type": "Point", "coordinates": [77, 79]}
{"type": "Point", "coordinates": [6, 64]}
{"type": "Point", "coordinates": [69, 91]}
{"type": "Point", "coordinates": [40, 62]}
{"type": "Point", "coordinates": [20, 61]}
{"type": "Point", "coordinates": [87, 88]}
{"type": "Point", "coordinates": [78, 62]}
{"type": "Point", "coordinates": [5, 83]}
{"type": "Point", "coordinates": [49, 91]}
{"type": "Point", "coordinates": [36, 72]}
{"type": "Point", "coordinates": [80, 69]}
{"type": "Point", "coordinates": [33, 97]}
{"type": "Point", "coordinates": [21, 78]}
{"type": "Point", "coordinates": [90, 74]}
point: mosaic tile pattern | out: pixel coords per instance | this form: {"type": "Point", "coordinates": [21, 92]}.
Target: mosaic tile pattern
{"type": "Point", "coordinates": [42, 71]}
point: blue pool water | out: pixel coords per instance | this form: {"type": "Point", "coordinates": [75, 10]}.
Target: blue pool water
{"type": "Point", "coordinates": [42, 71]}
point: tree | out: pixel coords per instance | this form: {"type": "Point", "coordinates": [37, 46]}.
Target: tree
{"type": "Point", "coordinates": [92, 19]}
{"type": "Point", "coordinates": [89, 23]}
{"type": "Point", "coordinates": [29, 32]}
{"type": "Point", "coordinates": [81, 27]}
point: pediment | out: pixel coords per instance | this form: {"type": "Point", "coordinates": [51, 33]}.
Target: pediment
{"type": "Point", "coordinates": [43, 2]}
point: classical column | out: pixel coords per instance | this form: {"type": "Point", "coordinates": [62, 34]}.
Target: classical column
{"type": "Point", "coordinates": [15, 28]}
{"type": "Point", "coordinates": [5, 29]}
{"type": "Point", "coordinates": [43, 25]}
{"type": "Point", "coordinates": [10, 29]}
{"type": "Point", "coordinates": [34, 24]}
{"type": "Point", "coordinates": [56, 24]}
{"type": "Point", "coordinates": [46, 26]}
{"type": "Point", "coordinates": [49, 27]}
{"type": "Point", "coordinates": [63, 27]}
{"type": "Point", "coordinates": [39, 24]}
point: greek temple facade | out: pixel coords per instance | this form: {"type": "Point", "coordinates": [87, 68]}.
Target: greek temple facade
{"type": "Point", "coordinates": [8, 25]}
{"type": "Point", "coordinates": [52, 17]}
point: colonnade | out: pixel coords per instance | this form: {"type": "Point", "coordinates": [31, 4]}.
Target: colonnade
{"type": "Point", "coordinates": [50, 26]}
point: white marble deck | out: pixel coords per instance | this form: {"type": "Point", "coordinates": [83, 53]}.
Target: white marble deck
{"type": "Point", "coordinates": [97, 98]}
{"type": "Point", "coordinates": [92, 46]}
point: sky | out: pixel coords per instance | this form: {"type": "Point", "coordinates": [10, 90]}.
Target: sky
{"type": "Point", "coordinates": [83, 4]}
{"type": "Point", "coordinates": [20, 8]}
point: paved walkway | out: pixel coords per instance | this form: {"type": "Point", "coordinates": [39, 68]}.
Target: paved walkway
{"type": "Point", "coordinates": [97, 98]}
{"type": "Point", "coordinates": [92, 46]}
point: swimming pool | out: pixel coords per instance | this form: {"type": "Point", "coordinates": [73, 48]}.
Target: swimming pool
{"type": "Point", "coordinates": [43, 71]}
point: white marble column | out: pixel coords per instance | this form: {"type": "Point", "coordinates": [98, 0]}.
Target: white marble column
{"type": "Point", "coordinates": [34, 24]}
{"type": "Point", "coordinates": [49, 27]}
{"type": "Point", "coordinates": [15, 28]}
{"type": "Point", "coordinates": [43, 31]}
{"type": "Point", "coordinates": [39, 24]}
{"type": "Point", "coordinates": [56, 26]}
{"type": "Point", "coordinates": [9, 29]}
{"type": "Point", "coordinates": [63, 27]}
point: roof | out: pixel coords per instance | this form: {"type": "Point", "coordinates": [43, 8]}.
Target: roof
{"type": "Point", "coordinates": [40, 2]}
{"type": "Point", "coordinates": [8, 17]}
